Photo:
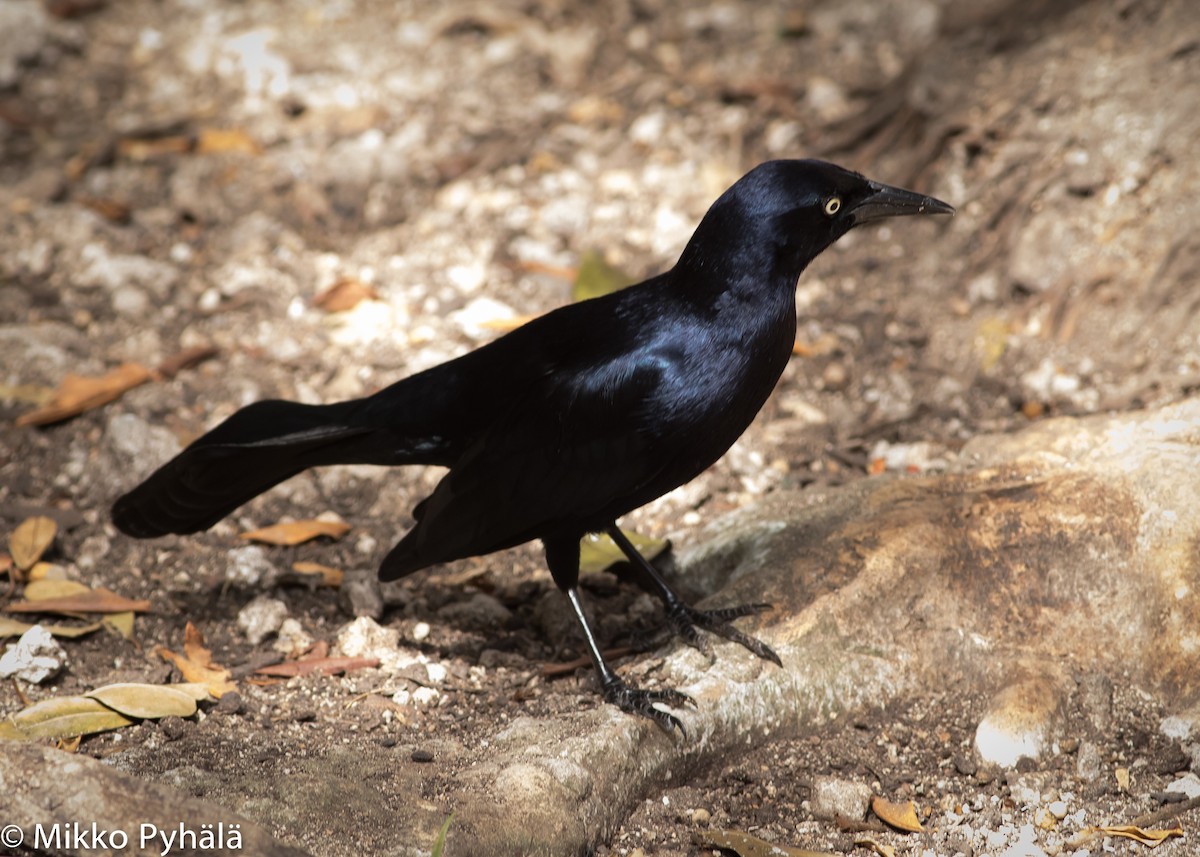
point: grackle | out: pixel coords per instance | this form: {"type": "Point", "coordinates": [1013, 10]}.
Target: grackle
{"type": "Point", "coordinates": [562, 426]}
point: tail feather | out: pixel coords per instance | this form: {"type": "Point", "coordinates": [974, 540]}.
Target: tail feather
{"type": "Point", "coordinates": [255, 449]}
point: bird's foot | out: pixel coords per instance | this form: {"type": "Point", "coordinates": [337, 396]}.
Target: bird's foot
{"type": "Point", "coordinates": [685, 620]}
{"type": "Point", "coordinates": [637, 701]}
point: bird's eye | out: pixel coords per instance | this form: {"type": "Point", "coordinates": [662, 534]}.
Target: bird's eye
{"type": "Point", "coordinates": [833, 205]}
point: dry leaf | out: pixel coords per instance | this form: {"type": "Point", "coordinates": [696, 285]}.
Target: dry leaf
{"type": "Point", "coordinates": [62, 717]}
{"type": "Point", "coordinates": [79, 393]}
{"type": "Point", "coordinates": [145, 148]}
{"type": "Point", "coordinates": [88, 601]}
{"type": "Point", "coordinates": [345, 294]}
{"type": "Point", "coordinates": [145, 701]}
{"type": "Point", "coordinates": [196, 664]}
{"type": "Point", "coordinates": [330, 577]}
{"type": "Point", "coordinates": [746, 845]}
{"type": "Point", "coordinates": [186, 359]}
{"type": "Point", "coordinates": [506, 324]}
{"type": "Point", "coordinates": [878, 847]}
{"type": "Point", "coordinates": [45, 588]}
{"type": "Point", "coordinates": [122, 623]}
{"type": "Point", "coordinates": [328, 666]}
{"type": "Point", "coordinates": [30, 540]}
{"type": "Point", "coordinates": [1149, 838]}
{"type": "Point", "coordinates": [13, 628]}
{"type": "Point", "coordinates": [297, 532]}
{"type": "Point", "coordinates": [902, 816]}
{"type": "Point", "coordinates": [598, 552]}
{"type": "Point", "coordinates": [217, 140]}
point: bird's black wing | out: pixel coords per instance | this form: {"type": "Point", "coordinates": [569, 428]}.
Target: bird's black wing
{"type": "Point", "coordinates": [566, 457]}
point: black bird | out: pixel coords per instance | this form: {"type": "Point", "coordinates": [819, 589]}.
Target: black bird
{"type": "Point", "coordinates": [562, 426]}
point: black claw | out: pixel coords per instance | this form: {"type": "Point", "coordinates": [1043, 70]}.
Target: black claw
{"type": "Point", "coordinates": [637, 701]}
{"type": "Point", "coordinates": [685, 620]}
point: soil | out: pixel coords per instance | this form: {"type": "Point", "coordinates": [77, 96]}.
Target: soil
{"type": "Point", "coordinates": [179, 174]}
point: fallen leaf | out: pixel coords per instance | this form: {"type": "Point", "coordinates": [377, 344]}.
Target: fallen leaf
{"type": "Point", "coordinates": [506, 324]}
{"type": "Point", "coordinates": [196, 663]}
{"type": "Point", "coordinates": [878, 847]}
{"type": "Point", "coordinates": [108, 208]}
{"type": "Point", "coordinates": [88, 601]}
{"type": "Point", "coordinates": [328, 666]}
{"type": "Point", "coordinates": [145, 148]}
{"type": "Point", "coordinates": [186, 359]}
{"type": "Point", "coordinates": [30, 540]}
{"type": "Point", "coordinates": [1149, 838]}
{"type": "Point", "coordinates": [45, 588]}
{"type": "Point", "coordinates": [297, 532]}
{"type": "Point", "coordinates": [62, 717]}
{"type": "Point", "coordinates": [596, 277]}
{"type": "Point", "coordinates": [597, 552]}
{"type": "Point", "coordinates": [902, 816]}
{"type": "Point", "coordinates": [330, 577]}
{"type": "Point", "coordinates": [122, 623]}
{"type": "Point", "coordinates": [79, 393]}
{"type": "Point", "coordinates": [145, 701]}
{"type": "Point", "coordinates": [30, 394]}
{"type": "Point", "coordinates": [747, 845]}
{"type": "Point", "coordinates": [218, 140]}
{"type": "Point", "coordinates": [345, 294]}
{"type": "Point", "coordinates": [13, 628]}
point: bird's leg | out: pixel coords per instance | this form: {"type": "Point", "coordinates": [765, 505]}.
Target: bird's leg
{"type": "Point", "coordinates": [562, 556]}
{"type": "Point", "coordinates": [684, 618]}
{"type": "Point", "coordinates": [616, 691]}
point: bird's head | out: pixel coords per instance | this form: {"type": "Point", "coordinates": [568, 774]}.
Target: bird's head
{"type": "Point", "coordinates": [784, 213]}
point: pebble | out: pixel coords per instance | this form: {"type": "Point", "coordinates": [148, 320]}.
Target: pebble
{"type": "Point", "coordinates": [249, 567]}
{"type": "Point", "coordinates": [35, 657]}
{"type": "Point", "coordinates": [261, 618]}
{"type": "Point", "coordinates": [1019, 722]}
{"type": "Point", "coordinates": [360, 595]}
{"type": "Point", "coordinates": [833, 797]}
{"type": "Point", "coordinates": [477, 613]}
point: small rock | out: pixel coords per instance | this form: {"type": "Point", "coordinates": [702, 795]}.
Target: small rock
{"type": "Point", "coordinates": [422, 756]}
{"type": "Point", "coordinates": [1019, 722]}
{"type": "Point", "coordinates": [1026, 844]}
{"type": "Point", "coordinates": [1087, 763]}
{"type": "Point", "coordinates": [360, 594]}
{"type": "Point", "coordinates": [1187, 785]}
{"type": "Point", "coordinates": [478, 613]}
{"type": "Point", "coordinates": [833, 797]}
{"type": "Point", "coordinates": [261, 618]}
{"type": "Point", "coordinates": [701, 817]}
{"type": "Point", "coordinates": [292, 637]}
{"type": "Point", "coordinates": [420, 631]}
{"type": "Point", "coordinates": [34, 658]}
{"type": "Point", "coordinates": [23, 34]}
{"type": "Point", "coordinates": [230, 703]}
{"type": "Point", "coordinates": [249, 567]}
{"type": "Point", "coordinates": [173, 727]}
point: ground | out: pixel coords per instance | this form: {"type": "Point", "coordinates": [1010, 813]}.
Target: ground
{"type": "Point", "coordinates": [177, 175]}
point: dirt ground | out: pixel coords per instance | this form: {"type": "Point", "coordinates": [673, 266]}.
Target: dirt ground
{"type": "Point", "coordinates": [175, 174]}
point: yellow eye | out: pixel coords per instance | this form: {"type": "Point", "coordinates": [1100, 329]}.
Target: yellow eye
{"type": "Point", "coordinates": [833, 205]}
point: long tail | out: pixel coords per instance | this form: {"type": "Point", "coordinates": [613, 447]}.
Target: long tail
{"type": "Point", "coordinates": [256, 448]}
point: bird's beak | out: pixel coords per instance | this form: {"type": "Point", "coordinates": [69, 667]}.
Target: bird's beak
{"type": "Point", "coordinates": [887, 201]}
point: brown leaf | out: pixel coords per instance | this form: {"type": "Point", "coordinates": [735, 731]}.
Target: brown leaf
{"type": "Point", "coordinates": [30, 540]}
{"type": "Point", "coordinates": [186, 359]}
{"type": "Point", "coordinates": [145, 148]}
{"type": "Point", "coordinates": [330, 577]}
{"type": "Point", "coordinates": [79, 393]}
{"type": "Point", "coordinates": [91, 601]}
{"type": "Point", "coordinates": [297, 532]}
{"type": "Point", "coordinates": [217, 140]}
{"type": "Point", "coordinates": [328, 666]}
{"type": "Point", "coordinates": [901, 816]}
{"type": "Point", "coordinates": [345, 294]}
{"type": "Point", "coordinates": [506, 324]}
{"type": "Point", "coordinates": [878, 847]}
{"type": "Point", "coordinates": [196, 663]}
{"type": "Point", "coordinates": [108, 208]}
{"type": "Point", "coordinates": [1149, 838]}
